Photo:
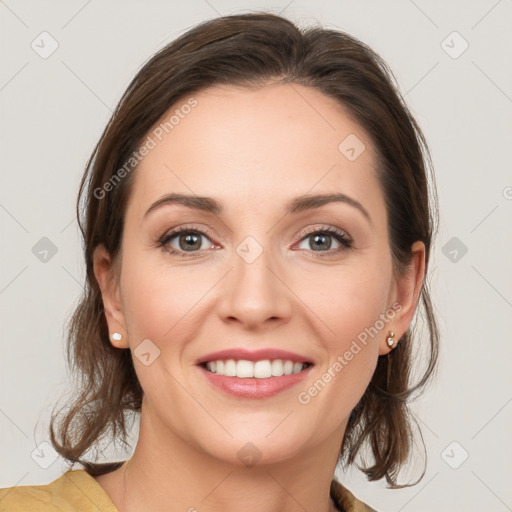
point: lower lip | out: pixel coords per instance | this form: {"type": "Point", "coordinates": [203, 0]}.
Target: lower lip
{"type": "Point", "coordinates": [254, 388]}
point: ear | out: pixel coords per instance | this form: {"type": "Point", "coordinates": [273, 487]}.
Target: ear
{"type": "Point", "coordinates": [406, 294]}
{"type": "Point", "coordinates": [110, 291]}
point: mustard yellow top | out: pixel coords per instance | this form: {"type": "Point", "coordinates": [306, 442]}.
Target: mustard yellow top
{"type": "Point", "coordinates": [77, 491]}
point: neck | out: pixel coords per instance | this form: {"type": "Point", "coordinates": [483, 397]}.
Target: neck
{"type": "Point", "coordinates": [167, 474]}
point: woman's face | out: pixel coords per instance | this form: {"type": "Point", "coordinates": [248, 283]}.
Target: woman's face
{"type": "Point", "coordinates": [262, 272]}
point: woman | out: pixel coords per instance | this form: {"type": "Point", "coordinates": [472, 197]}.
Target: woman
{"type": "Point", "coordinates": [257, 233]}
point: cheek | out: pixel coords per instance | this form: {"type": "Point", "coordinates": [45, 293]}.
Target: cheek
{"type": "Point", "coordinates": [159, 300]}
{"type": "Point", "coordinates": [347, 300]}
{"type": "Point", "coordinates": [162, 304]}
{"type": "Point", "coordinates": [349, 308]}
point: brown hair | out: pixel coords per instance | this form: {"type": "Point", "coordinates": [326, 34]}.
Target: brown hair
{"type": "Point", "coordinates": [249, 50]}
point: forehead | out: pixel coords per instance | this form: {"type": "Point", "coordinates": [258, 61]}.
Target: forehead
{"type": "Point", "coordinates": [255, 148]}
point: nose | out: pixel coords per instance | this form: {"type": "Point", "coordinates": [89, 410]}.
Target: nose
{"type": "Point", "coordinates": [255, 294]}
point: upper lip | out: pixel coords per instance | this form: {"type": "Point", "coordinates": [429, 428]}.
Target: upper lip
{"type": "Point", "coordinates": [253, 355]}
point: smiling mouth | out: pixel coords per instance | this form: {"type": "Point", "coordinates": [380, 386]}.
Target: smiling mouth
{"type": "Point", "coordinates": [264, 369]}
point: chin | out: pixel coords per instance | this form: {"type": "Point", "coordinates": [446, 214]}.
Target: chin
{"type": "Point", "coordinates": [267, 445]}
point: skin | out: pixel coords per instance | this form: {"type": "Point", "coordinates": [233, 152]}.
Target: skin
{"type": "Point", "coordinates": [253, 150]}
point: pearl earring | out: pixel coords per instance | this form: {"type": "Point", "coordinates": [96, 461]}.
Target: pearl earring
{"type": "Point", "coordinates": [391, 340]}
{"type": "Point", "coordinates": [117, 336]}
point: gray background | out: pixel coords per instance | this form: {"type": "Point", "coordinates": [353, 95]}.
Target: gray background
{"type": "Point", "coordinates": [54, 109]}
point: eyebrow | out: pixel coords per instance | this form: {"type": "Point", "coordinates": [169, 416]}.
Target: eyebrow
{"type": "Point", "coordinates": [296, 205]}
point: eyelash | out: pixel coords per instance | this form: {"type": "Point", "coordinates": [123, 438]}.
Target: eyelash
{"type": "Point", "coordinates": [339, 235]}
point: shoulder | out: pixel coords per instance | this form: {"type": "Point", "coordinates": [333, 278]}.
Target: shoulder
{"type": "Point", "coordinates": [75, 490]}
{"type": "Point", "coordinates": [346, 501]}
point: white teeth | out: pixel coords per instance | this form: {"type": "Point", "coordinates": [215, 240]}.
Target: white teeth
{"type": "Point", "coordinates": [277, 368]}
{"type": "Point", "coordinates": [244, 369]}
{"type": "Point", "coordinates": [297, 367]}
{"type": "Point", "coordinates": [230, 368]}
{"type": "Point", "coordinates": [264, 369]}
{"type": "Point", "coordinates": [288, 367]}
